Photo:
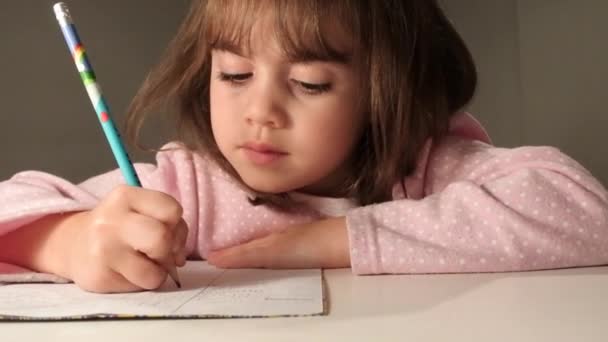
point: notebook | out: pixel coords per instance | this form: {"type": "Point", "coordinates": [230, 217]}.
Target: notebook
{"type": "Point", "coordinates": [206, 292]}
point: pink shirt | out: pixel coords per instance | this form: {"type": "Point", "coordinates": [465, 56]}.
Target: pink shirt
{"type": "Point", "coordinates": [469, 207]}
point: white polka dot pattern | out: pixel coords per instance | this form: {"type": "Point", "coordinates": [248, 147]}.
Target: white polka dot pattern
{"type": "Point", "coordinates": [485, 209]}
{"type": "Point", "coordinates": [468, 207]}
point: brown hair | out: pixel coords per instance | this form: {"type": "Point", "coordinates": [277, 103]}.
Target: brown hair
{"type": "Point", "coordinates": [416, 70]}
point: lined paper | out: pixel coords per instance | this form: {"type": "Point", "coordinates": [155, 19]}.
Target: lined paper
{"type": "Point", "coordinates": [206, 292]}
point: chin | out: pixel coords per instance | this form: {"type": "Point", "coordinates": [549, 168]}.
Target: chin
{"type": "Point", "coordinates": [267, 186]}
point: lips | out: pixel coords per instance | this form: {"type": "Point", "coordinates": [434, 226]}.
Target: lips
{"type": "Point", "coordinates": [262, 148]}
{"type": "Point", "coordinates": [262, 153]}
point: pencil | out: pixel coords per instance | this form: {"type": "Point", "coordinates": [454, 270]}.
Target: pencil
{"type": "Point", "coordinates": [89, 80]}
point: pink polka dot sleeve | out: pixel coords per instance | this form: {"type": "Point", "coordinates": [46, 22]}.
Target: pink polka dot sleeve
{"type": "Point", "coordinates": [31, 195]}
{"type": "Point", "coordinates": [476, 208]}
{"type": "Point", "coordinates": [216, 207]}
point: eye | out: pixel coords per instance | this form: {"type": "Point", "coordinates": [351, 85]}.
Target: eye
{"type": "Point", "coordinates": [234, 78]}
{"type": "Point", "coordinates": [313, 88]}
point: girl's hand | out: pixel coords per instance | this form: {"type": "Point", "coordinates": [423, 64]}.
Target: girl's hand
{"type": "Point", "coordinates": [127, 242]}
{"type": "Point", "coordinates": [321, 244]}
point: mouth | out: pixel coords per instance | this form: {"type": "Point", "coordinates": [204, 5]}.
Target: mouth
{"type": "Point", "coordinates": [262, 154]}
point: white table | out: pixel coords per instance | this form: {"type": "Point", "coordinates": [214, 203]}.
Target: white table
{"type": "Point", "coordinates": [558, 305]}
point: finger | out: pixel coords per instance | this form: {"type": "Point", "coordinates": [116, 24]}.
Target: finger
{"type": "Point", "coordinates": [108, 282]}
{"type": "Point", "coordinates": [140, 271]}
{"type": "Point", "coordinates": [120, 284]}
{"type": "Point", "coordinates": [151, 203]}
{"type": "Point", "coordinates": [180, 236]}
{"type": "Point", "coordinates": [180, 260]}
{"type": "Point", "coordinates": [149, 236]}
{"type": "Point", "coordinates": [254, 254]}
{"type": "Point", "coordinates": [179, 244]}
{"type": "Point", "coordinates": [227, 259]}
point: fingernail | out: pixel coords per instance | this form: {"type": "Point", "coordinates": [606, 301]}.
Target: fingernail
{"type": "Point", "coordinates": [182, 256]}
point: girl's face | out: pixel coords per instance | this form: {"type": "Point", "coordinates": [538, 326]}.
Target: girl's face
{"type": "Point", "coordinates": [285, 125]}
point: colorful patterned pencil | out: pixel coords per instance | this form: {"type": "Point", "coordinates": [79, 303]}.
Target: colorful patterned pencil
{"type": "Point", "coordinates": [99, 103]}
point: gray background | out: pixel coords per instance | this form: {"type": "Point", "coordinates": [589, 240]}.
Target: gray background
{"type": "Point", "coordinates": [541, 65]}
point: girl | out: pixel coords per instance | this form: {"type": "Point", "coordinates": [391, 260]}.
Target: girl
{"type": "Point", "coordinates": [311, 134]}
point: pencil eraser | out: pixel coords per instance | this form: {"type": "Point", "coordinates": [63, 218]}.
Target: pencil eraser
{"type": "Point", "coordinates": [62, 12]}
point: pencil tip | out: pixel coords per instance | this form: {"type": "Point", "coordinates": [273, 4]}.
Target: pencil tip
{"type": "Point", "coordinates": [179, 285]}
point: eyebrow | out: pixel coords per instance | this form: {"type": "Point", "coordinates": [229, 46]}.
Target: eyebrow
{"type": "Point", "coordinates": [300, 56]}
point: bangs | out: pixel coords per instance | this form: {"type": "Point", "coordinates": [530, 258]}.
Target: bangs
{"type": "Point", "coordinates": [305, 30]}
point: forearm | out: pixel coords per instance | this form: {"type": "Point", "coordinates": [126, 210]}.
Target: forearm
{"type": "Point", "coordinates": [43, 245]}
{"type": "Point", "coordinates": [489, 228]}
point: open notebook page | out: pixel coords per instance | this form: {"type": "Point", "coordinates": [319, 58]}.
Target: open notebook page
{"type": "Point", "coordinates": [206, 292]}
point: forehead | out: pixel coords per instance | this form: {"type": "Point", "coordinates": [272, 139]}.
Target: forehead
{"type": "Point", "coordinates": [301, 30]}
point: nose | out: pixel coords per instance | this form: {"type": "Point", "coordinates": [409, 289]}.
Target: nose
{"type": "Point", "coordinates": [266, 107]}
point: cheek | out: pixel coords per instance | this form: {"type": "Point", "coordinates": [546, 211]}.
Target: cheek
{"type": "Point", "coordinates": [221, 121]}
{"type": "Point", "coordinates": [332, 136]}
